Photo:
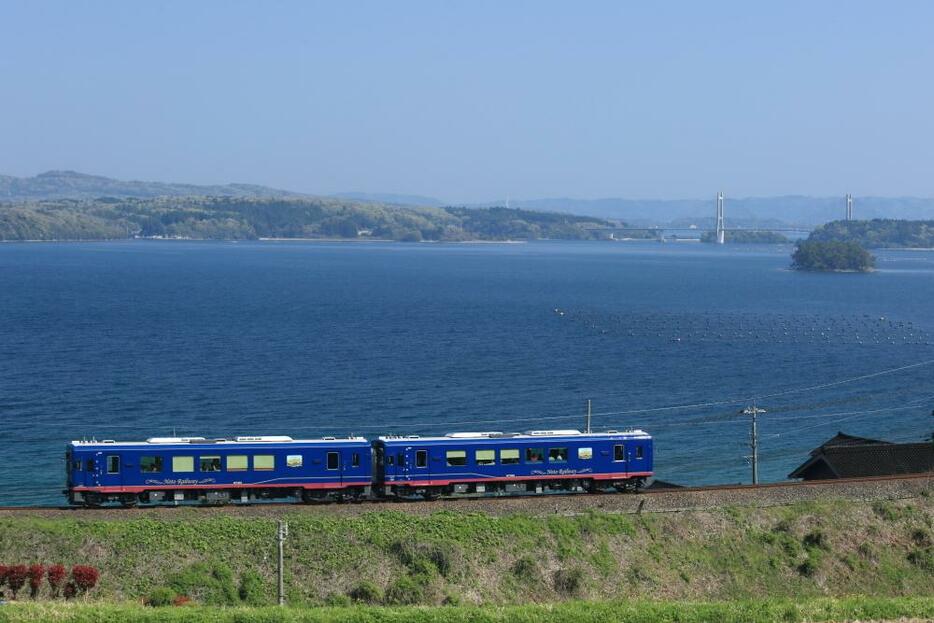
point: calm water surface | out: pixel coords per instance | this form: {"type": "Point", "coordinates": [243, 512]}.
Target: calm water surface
{"type": "Point", "coordinates": [133, 339]}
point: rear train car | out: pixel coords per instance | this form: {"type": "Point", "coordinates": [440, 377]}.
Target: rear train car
{"type": "Point", "coordinates": [494, 463]}
{"type": "Point", "coordinates": [178, 470]}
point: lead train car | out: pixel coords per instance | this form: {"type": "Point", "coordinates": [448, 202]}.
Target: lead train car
{"type": "Point", "coordinates": [511, 463]}
{"type": "Point", "coordinates": [195, 469]}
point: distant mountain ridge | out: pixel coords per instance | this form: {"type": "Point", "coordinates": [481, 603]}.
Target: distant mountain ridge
{"type": "Point", "coordinates": [74, 185]}
{"type": "Point", "coordinates": [790, 210]}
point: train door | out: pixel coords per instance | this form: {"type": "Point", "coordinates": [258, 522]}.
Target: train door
{"type": "Point", "coordinates": [420, 468]}
{"type": "Point", "coordinates": [334, 464]}
{"type": "Point", "coordinates": [621, 458]}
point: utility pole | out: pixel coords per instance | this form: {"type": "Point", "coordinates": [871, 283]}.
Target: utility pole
{"type": "Point", "coordinates": [588, 416]}
{"type": "Point", "coordinates": [849, 207]}
{"type": "Point", "coordinates": [754, 411]}
{"type": "Point", "coordinates": [281, 533]}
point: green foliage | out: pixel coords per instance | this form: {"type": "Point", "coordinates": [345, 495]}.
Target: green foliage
{"type": "Point", "coordinates": [205, 583]}
{"type": "Point", "coordinates": [161, 596]}
{"type": "Point", "coordinates": [408, 590]}
{"type": "Point", "coordinates": [878, 233]}
{"type": "Point", "coordinates": [816, 255]}
{"type": "Point", "coordinates": [427, 558]}
{"type": "Point", "coordinates": [753, 611]}
{"type": "Point", "coordinates": [252, 591]}
{"type": "Point", "coordinates": [366, 592]}
{"type": "Point", "coordinates": [923, 558]}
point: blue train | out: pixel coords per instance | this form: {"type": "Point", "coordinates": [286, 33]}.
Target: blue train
{"type": "Point", "coordinates": [185, 470]}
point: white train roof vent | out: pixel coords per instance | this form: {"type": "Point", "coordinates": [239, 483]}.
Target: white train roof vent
{"type": "Point", "coordinates": [174, 439]}
{"type": "Point", "coordinates": [473, 435]}
{"type": "Point", "coordinates": [264, 438]}
{"type": "Point", "coordinates": [553, 433]}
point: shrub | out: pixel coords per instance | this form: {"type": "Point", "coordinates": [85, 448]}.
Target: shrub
{"type": "Point", "coordinates": [36, 574]}
{"type": "Point", "coordinates": [526, 568]}
{"type": "Point", "coordinates": [160, 597]}
{"type": "Point", "coordinates": [16, 578]}
{"type": "Point", "coordinates": [336, 600]}
{"type": "Point", "coordinates": [445, 558]}
{"type": "Point", "coordinates": [569, 581]}
{"type": "Point", "coordinates": [84, 577]}
{"type": "Point", "coordinates": [71, 590]}
{"type": "Point", "coordinates": [407, 590]}
{"type": "Point", "coordinates": [181, 600]}
{"type": "Point", "coordinates": [923, 558]}
{"type": "Point", "coordinates": [811, 564]}
{"type": "Point", "coordinates": [366, 592]}
{"type": "Point", "coordinates": [56, 576]}
{"type": "Point", "coordinates": [3, 572]}
{"type": "Point", "coordinates": [816, 538]}
{"type": "Point", "coordinates": [207, 584]}
{"type": "Point", "coordinates": [251, 589]}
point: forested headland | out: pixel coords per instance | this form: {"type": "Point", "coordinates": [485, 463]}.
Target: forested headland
{"type": "Point", "coordinates": [878, 233]}
{"type": "Point", "coordinates": [249, 218]}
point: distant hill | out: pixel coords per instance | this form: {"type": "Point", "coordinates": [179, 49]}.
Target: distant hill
{"type": "Point", "coordinates": [411, 200]}
{"type": "Point", "coordinates": [74, 185]}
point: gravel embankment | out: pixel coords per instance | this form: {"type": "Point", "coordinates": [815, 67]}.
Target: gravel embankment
{"type": "Point", "coordinates": [664, 501]}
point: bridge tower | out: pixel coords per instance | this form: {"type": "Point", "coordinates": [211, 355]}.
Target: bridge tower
{"type": "Point", "coordinates": [721, 233]}
{"type": "Point", "coordinates": [849, 207]}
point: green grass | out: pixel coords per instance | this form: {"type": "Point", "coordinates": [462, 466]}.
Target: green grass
{"type": "Point", "coordinates": [811, 550]}
{"type": "Point", "coordinates": [759, 611]}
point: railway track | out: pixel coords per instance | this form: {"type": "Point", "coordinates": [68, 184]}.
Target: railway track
{"type": "Point", "coordinates": [740, 489]}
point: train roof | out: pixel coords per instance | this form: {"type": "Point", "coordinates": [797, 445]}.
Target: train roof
{"type": "Point", "coordinates": [255, 440]}
{"type": "Point", "coordinates": [550, 435]}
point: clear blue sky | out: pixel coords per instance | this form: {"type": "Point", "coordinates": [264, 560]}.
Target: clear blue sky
{"type": "Point", "coordinates": [470, 101]}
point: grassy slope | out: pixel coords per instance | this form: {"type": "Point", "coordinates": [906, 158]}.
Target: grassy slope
{"type": "Point", "coordinates": [804, 550]}
{"type": "Point", "coordinates": [847, 609]}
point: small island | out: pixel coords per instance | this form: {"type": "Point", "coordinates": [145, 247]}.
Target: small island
{"type": "Point", "coordinates": [747, 237]}
{"type": "Point", "coordinates": [832, 256]}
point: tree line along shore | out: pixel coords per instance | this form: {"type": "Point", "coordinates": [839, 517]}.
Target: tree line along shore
{"type": "Point", "coordinates": [250, 218]}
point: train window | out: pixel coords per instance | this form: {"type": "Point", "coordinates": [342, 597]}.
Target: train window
{"type": "Point", "coordinates": [557, 455]}
{"type": "Point", "coordinates": [183, 463]}
{"type": "Point", "coordinates": [421, 458]}
{"type": "Point", "coordinates": [236, 463]}
{"type": "Point", "coordinates": [638, 452]}
{"type": "Point", "coordinates": [334, 460]}
{"type": "Point", "coordinates": [509, 456]}
{"type": "Point", "coordinates": [534, 455]}
{"type": "Point", "coordinates": [400, 459]}
{"type": "Point", "coordinates": [293, 460]}
{"type": "Point", "coordinates": [585, 454]}
{"type": "Point", "coordinates": [619, 453]}
{"type": "Point", "coordinates": [390, 459]}
{"type": "Point", "coordinates": [77, 466]}
{"type": "Point", "coordinates": [485, 457]}
{"type": "Point", "coordinates": [150, 464]}
{"type": "Point", "coordinates": [113, 464]}
{"type": "Point", "coordinates": [456, 457]}
{"type": "Point", "coordinates": [264, 462]}
{"type": "Point", "coordinates": [355, 459]}
{"type": "Point", "coordinates": [90, 465]}
{"type": "Point", "coordinates": [210, 464]}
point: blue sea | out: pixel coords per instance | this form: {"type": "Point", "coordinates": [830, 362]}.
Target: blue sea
{"type": "Point", "coordinates": [126, 340]}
